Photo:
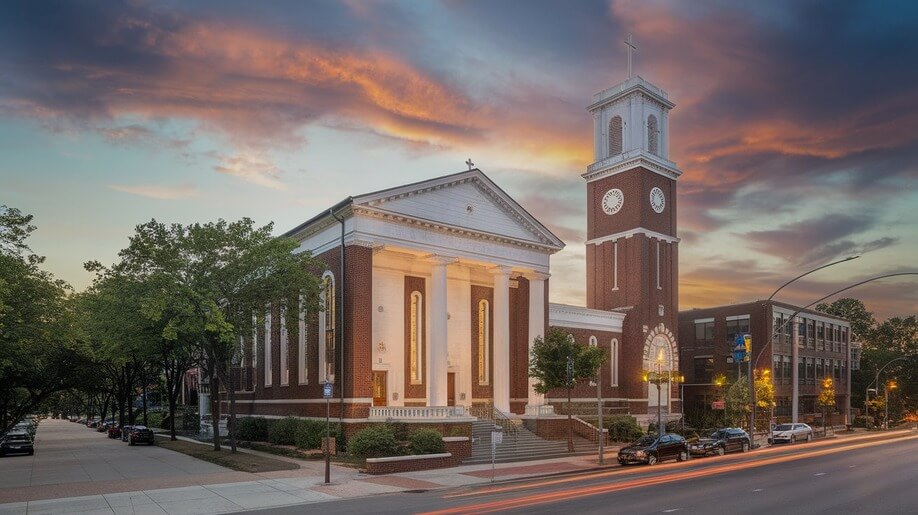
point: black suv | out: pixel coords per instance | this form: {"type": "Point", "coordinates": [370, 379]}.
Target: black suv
{"type": "Point", "coordinates": [722, 441]}
{"type": "Point", "coordinates": [141, 434]}
{"type": "Point", "coordinates": [651, 449]}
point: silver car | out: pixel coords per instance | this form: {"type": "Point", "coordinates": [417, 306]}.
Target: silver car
{"type": "Point", "coordinates": [792, 433]}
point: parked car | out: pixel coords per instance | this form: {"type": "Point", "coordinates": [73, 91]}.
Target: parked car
{"type": "Point", "coordinates": [793, 433]}
{"type": "Point", "coordinates": [650, 450]}
{"type": "Point", "coordinates": [722, 441]}
{"type": "Point", "coordinates": [114, 431]}
{"type": "Point", "coordinates": [17, 442]}
{"type": "Point", "coordinates": [141, 434]}
{"type": "Point", "coordinates": [126, 433]}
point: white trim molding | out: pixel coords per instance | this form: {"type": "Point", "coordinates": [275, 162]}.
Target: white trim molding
{"type": "Point", "coordinates": [637, 158]}
{"type": "Point", "coordinates": [578, 317]}
{"type": "Point", "coordinates": [632, 232]}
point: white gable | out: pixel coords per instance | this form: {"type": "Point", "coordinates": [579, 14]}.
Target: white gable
{"type": "Point", "coordinates": [466, 201]}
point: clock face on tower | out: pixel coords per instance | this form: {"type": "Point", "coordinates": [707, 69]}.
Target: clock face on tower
{"type": "Point", "coordinates": [657, 200]}
{"type": "Point", "coordinates": [612, 201]}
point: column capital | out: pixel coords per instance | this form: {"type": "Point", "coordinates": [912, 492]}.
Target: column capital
{"type": "Point", "coordinates": [501, 270]}
{"type": "Point", "coordinates": [438, 259]}
{"type": "Point", "coordinates": [536, 276]}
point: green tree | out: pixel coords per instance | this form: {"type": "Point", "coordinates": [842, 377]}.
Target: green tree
{"type": "Point", "coordinates": [557, 361]}
{"type": "Point", "coordinates": [856, 313]}
{"type": "Point", "coordinates": [40, 354]}
{"type": "Point", "coordinates": [737, 405]}
{"type": "Point", "coordinates": [220, 274]}
{"type": "Point", "coordinates": [826, 399]}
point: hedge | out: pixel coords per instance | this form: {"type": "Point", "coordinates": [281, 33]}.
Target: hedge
{"type": "Point", "coordinates": [252, 428]}
{"type": "Point", "coordinates": [623, 428]}
{"type": "Point", "coordinates": [426, 441]}
{"type": "Point", "coordinates": [375, 442]}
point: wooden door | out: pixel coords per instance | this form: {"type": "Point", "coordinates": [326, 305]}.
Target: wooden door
{"type": "Point", "coordinates": [379, 388]}
{"type": "Point", "coordinates": [450, 389]}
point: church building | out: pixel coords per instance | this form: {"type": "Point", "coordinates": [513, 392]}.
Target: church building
{"type": "Point", "coordinates": [443, 284]}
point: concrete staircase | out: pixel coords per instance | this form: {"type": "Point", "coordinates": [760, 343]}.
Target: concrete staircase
{"type": "Point", "coordinates": [519, 444]}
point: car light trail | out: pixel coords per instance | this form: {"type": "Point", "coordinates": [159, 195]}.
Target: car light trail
{"type": "Point", "coordinates": [522, 502]}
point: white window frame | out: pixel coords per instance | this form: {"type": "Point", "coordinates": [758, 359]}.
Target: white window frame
{"type": "Point", "coordinates": [302, 375]}
{"type": "Point", "coordinates": [269, 379]}
{"type": "Point", "coordinates": [284, 348]}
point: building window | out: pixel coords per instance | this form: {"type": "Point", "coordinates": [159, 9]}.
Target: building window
{"type": "Point", "coordinates": [613, 363]}
{"type": "Point", "coordinates": [301, 368]}
{"type": "Point", "coordinates": [615, 265]}
{"type": "Point", "coordinates": [484, 343]}
{"type": "Point", "coordinates": [820, 369]}
{"type": "Point", "coordinates": [787, 370]}
{"type": "Point", "coordinates": [653, 135]}
{"type": "Point", "coordinates": [659, 287]}
{"type": "Point", "coordinates": [416, 338]}
{"type": "Point", "coordinates": [328, 327]}
{"type": "Point", "coordinates": [254, 348]}
{"type": "Point", "coordinates": [737, 326]}
{"type": "Point", "coordinates": [704, 369]}
{"type": "Point", "coordinates": [615, 136]}
{"type": "Point", "coordinates": [284, 348]}
{"type": "Point", "coordinates": [704, 331]}
{"type": "Point", "coordinates": [779, 331]}
{"type": "Point", "coordinates": [269, 377]}
{"type": "Point", "coordinates": [810, 372]}
{"type": "Point", "coordinates": [593, 343]}
{"type": "Point", "coordinates": [778, 369]}
{"type": "Point", "coordinates": [801, 371]}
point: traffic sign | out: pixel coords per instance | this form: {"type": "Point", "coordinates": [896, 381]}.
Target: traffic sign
{"type": "Point", "coordinates": [327, 390]}
{"type": "Point", "coordinates": [717, 405]}
{"type": "Point", "coordinates": [747, 343]}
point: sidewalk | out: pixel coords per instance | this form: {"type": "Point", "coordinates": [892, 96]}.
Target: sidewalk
{"type": "Point", "coordinates": [290, 487]}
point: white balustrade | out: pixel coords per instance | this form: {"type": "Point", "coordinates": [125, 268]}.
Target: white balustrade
{"type": "Point", "coordinates": [417, 412]}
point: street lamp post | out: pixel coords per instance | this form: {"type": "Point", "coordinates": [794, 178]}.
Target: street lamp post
{"type": "Point", "coordinates": [659, 378]}
{"type": "Point", "coordinates": [769, 328]}
{"type": "Point", "coordinates": [793, 318]}
{"type": "Point", "coordinates": [876, 381]}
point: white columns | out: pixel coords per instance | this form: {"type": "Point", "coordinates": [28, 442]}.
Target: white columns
{"type": "Point", "coordinates": [436, 374]}
{"type": "Point", "coordinates": [501, 387]}
{"type": "Point", "coordinates": [536, 401]}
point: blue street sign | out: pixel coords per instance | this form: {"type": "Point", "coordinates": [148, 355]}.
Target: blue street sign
{"type": "Point", "coordinates": [327, 390]}
{"type": "Point", "coordinates": [738, 355]}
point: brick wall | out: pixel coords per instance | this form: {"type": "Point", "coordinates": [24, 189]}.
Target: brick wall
{"type": "Point", "coordinates": [456, 451]}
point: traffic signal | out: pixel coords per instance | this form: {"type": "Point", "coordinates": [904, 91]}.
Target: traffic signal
{"type": "Point", "coordinates": [747, 341]}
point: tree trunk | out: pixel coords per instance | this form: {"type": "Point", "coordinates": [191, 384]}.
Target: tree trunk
{"type": "Point", "coordinates": [143, 379]}
{"type": "Point", "coordinates": [570, 422]}
{"type": "Point", "coordinates": [215, 409]}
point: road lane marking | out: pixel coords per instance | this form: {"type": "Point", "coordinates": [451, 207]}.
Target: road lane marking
{"type": "Point", "coordinates": [820, 474]}
{"type": "Point", "coordinates": [586, 491]}
{"type": "Point", "coordinates": [759, 490]}
{"type": "Point", "coordinates": [671, 510]}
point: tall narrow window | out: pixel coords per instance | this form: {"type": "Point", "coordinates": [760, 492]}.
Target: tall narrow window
{"type": "Point", "coordinates": [284, 348]}
{"type": "Point", "coordinates": [327, 351]}
{"type": "Point", "coordinates": [254, 348]}
{"type": "Point", "coordinates": [613, 362]}
{"type": "Point", "coordinates": [301, 376]}
{"type": "Point", "coordinates": [659, 287]}
{"type": "Point", "coordinates": [615, 136]}
{"type": "Point", "coordinates": [592, 343]}
{"type": "Point", "coordinates": [653, 136]}
{"type": "Point", "coordinates": [484, 342]}
{"type": "Point", "coordinates": [416, 338]}
{"type": "Point", "coordinates": [269, 377]}
{"type": "Point", "coordinates": [615, 265]}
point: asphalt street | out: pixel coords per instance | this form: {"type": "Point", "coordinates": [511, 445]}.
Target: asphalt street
{"type": "Point", "coordinates": [855, 476]}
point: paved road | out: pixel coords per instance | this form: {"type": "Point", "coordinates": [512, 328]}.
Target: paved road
{"type": "Point", "coordinates": [71, 459]}
{"type": "Point", "coordinates": [854, 476]}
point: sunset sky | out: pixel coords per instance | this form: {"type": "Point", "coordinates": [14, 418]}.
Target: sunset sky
{"type": "Point", "coordinates": [796, 123]}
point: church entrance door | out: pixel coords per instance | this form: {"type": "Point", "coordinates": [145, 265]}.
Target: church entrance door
{"type": "Point", "coordinates": [450, 389]}
{"type": "Point", "coordinates": [379, 388]}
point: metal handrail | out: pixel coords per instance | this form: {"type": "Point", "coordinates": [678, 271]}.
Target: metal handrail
{"type": "Point", "coordinates": [489, 412]}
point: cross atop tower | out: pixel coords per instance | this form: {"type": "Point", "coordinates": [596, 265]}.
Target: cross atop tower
{"type": "Point", "coordinates": [470, 163]}
{"type": "Point", "coordinates": [631, 49]}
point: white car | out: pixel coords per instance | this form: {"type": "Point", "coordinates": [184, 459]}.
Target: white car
{"type": "Point", "coordinates": [792, 433]}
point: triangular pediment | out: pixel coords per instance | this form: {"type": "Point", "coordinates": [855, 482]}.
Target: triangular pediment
{"type": "Point", "coordinates": [467, 201]}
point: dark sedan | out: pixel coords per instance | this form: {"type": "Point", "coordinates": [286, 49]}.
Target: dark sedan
{"type": "Point", "coordinates": [17, 443]}
{"type": "Point", "coordinates": [651, 449]}
{"type": "Point", "coordinates": [722, 441]}
{"type": "Point", "coordinates": [114, 431]}
{"type": "Point", "coordinates": [141, 434]}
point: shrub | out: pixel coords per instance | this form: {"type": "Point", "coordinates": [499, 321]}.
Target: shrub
{"type": "Point", "coordinates": [155, 419]}
{"type": "Point", "coordinates": [623, 428]}
{"type": "Point", "coordinates": [283, 431]}
{"type": "Point", "coordinates": [309, 434]}
{"type": "Point", "coordinates": [426, 441]}
{"type": "Point", "coordinates": [252, 429]}
{"type": "Point", "coordinates": [376, 441]}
